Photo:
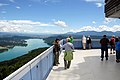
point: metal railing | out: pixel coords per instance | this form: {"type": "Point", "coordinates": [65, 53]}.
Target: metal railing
{"type": "Point", "coordinates": [36, 69]}
{"type": "Point", "coordinates": [78, 43]}
{"type": "Point", "coordinates": [39, 67]}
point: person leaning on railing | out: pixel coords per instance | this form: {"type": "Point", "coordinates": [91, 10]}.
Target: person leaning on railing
{"type": "Point", "coordinates": [56, 51]}
{"type": "Point", "coordinates": [68, 54]}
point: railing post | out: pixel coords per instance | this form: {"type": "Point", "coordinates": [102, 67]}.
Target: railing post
{"type": "Point", "coordinates": [30, 72]}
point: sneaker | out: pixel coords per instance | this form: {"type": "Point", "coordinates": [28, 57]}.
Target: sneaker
{"type": "Point", "coordinates": [65, 68]}
{"type": "Point", "coordinates": [56, 65]}
{"type": "Point", "coordinates": [102, 59]}
{"type": "Point", "coordinates": [113, 52]}
{"type": "Point", "coordinates": [68, 67]}
{"type": "Point", "coordinates": [117, 61]}
{"type": "Point", "coordinates": [106, 59]}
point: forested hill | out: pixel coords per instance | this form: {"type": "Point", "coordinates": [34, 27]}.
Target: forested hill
{"type": "Point", "coordinates": [8, 67]}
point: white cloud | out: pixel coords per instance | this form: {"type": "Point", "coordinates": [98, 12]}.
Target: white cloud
{"type": "Point", "coordinates": [46, 1]}
{"type": "Point", "coordinates": [3, 12]}
{"type": "Point", "coordinates": [108, 20]}
{"type": "Point", "coordinates": [21, 26]}
{"type": "Point", "coordinates": [21, 23]}
{"type": "Point", "coordinates": [2, 4]}
{"type": "Point", "coordinates": [18, 7]}
{"type": "Point", "coordinates": [99, 4]}
{"type": "Point", "coordinates": [60, 23]}
{"type": "Point", "coordinates": [93, 22]}
{"type": "Point", "coordinates": [93, 0]}
{"type": "Point", "coordinates": [12, 1]}
{"type": "Point", "coordinates": [29, 5]}
{"type": "Point", "coordinates": [98, 29]}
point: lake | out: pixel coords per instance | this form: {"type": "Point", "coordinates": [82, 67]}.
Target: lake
{"type": "Point", "coordinates": [21, 50]}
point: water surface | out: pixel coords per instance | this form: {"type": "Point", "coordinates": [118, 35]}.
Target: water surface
{"type": "Point", "coordinates": [21, 50]}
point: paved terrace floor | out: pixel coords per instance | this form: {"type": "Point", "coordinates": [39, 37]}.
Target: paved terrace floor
{"type": "Point", "coordinates": [87, 65]}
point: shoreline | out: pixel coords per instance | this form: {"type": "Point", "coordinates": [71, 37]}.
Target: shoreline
{"type": "Point", "coordinates": [2, 48]}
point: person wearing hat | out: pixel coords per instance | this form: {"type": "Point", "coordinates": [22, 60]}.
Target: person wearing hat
{"type": "Point", "coordinates": [68, 54]}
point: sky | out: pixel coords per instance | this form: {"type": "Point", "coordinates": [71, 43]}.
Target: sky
{"type": "Point", "coordinates": [55, 16]}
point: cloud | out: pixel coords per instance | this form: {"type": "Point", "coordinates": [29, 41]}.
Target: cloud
{"type": "Point", "coordinates": [46, 1]}
{"type": "Point", "coordinates": [98, 29]}
{"type": "Point", "coordinates": [2, 4]}
{"type": "Point", "coordinates": [99, 4]}
{"type": "Point", "coordinates": [21, 23]}
{"type": "Point", "coordinates": [21, 26]}
{"type": "Point", "coordinates": [29, 5]}
{"type": "Point", "coordinates": [60, 23]}
{"type": "Point", "coordinates": [3, 12]}
{"type": "Point", "coordinates": [18, 7]}
{"type": "Point", "coordinates": [108, 20]}
{"type": "Point", "coordinates": [93, 22]}
{"type": "Point", "coordinates": [93, 0]}
{"type": "Point", "coordinates": [12, 1]}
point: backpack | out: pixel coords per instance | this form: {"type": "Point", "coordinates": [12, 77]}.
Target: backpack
{"type": "Point", "coordinates": [112, 41]}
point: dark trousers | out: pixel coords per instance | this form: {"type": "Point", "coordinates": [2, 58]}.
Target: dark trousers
{"type": "Point", "coordinates": [117, 55]}
{"type": "Point", "coordinates": [89, 45]}
{"type": "Point", "coordinates": [112, 47]}
{"type": "Point", "coordinates": [67, 63]}
{"type": "Point", "coordinates": [56, 58]}
{"type": "Point", "coordinates": [104, 49]}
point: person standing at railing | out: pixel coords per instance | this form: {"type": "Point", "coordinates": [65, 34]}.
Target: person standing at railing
{"type": "Point", "coordinates": [117, 47]}
{"type": "Point", "coordinates": [116, 39]}
{"type": "Point", "coordinates": [89, 42]}
{"type": "Point", "coordinates": [84, 42]}
{"type": "Point", "coordinates": [56, 51]}
{"type": "Point", "coordinates": [71, 39]}
{"type": "Point", "coordinates": [68, 54]}
{"type": "Point", "coordinates": [112, 45]}
{"type": "Point", "coordinates": [104, 47]}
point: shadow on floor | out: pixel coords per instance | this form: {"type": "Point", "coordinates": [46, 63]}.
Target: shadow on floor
{"type": "Point", "coordinates": [59, 69]}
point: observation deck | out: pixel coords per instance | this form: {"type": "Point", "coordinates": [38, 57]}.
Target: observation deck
{"type": "Point", "coordinates": [86, 65]}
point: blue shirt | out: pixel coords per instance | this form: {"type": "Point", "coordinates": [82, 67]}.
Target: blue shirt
{"type": "Point", "coordinates": [118, 46]}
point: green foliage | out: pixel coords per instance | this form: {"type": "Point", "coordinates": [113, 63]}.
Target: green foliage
{"type": "Point", "coordinates": [50, 40]}
{"type": "Point", "coordinates": [8, 67]}
{"type": "Point", "coordinates": [13, 41]}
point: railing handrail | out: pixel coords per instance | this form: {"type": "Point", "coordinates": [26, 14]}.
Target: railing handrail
{"type": "Point", "coordinates": [28, 64]}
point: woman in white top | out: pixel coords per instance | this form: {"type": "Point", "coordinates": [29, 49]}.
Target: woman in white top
{"type": "Point", "coordinates": [84, 42]}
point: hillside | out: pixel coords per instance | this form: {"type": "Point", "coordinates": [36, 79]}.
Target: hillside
{"type": "Point", "coordinates": [8, 67]}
